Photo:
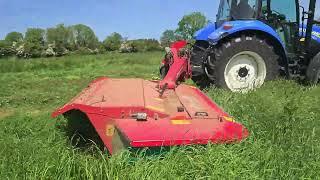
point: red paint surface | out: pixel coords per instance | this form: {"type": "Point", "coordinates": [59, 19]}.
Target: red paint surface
{"type": "Point", "coordinates": [112, 102]}
{"type": "Point", "coordinates": [179, 68]}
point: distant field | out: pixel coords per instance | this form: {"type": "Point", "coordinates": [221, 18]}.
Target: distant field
{"type": "Point", "coordinates": [283, 118]}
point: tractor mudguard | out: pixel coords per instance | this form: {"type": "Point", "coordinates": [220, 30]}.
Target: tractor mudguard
{"type": "Point", "coordinates": [232, 27]}
{"type": "Point", "coordinates": [203, 34]}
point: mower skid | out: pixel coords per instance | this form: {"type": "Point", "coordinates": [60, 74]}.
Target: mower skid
{"type": "Point", "coordinates": [132, 113]}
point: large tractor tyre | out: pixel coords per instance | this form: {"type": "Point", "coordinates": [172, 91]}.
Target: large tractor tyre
{"type": "Point", "coordinates": [313, 71]}
{"type": "Point", "coordinates": [198, 59]}
{"type": "Point", "coordinates": [243, 63]}
{"type": "Point", "coordinates": [314, 48]}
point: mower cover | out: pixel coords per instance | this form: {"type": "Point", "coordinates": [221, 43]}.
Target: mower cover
{"type": "Point", "coordinates": [140, 113]}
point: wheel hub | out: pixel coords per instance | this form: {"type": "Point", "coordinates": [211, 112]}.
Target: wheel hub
{"type": "Point", "coordinates": [243, 72]}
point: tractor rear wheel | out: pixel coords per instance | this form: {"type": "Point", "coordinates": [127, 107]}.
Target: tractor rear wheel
{"type": "Point", "coordinates": [243, 63]}
{"type": "Point", "coordinates": [313, 71]}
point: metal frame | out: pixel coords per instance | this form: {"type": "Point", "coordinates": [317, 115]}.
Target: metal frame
{"type": "Point", "coordinates": [310, 23]}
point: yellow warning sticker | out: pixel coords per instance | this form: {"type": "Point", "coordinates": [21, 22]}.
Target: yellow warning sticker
{"type": "Point", "coordinates": [110, 130]}
{"type": "Point", "coordinates": [229, 119]}
{"type": "Point", "coordinates": [180, 122]}
{"type": "Point", "coordinates": [159, 99]}
{"type": "Point", "coordinates": [155, 108]}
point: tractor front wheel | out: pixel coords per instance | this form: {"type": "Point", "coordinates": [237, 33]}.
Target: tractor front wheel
{"type": "Point", "coordinates": [243, 63]}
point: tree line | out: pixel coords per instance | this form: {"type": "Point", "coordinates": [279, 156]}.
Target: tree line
{"type": "Point", "coordinates": [55, 41]}
{"type": "Point", "coordinates": [62, 40]}
{"type": "Point", "coordinates": [81, 39]}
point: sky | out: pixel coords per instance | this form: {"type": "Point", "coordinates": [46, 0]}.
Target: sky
{"type": "Point", "coordinates": [131, 18]}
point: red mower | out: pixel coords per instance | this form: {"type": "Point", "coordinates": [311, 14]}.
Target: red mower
{"type": "Point", "coordinates": [140, 113]}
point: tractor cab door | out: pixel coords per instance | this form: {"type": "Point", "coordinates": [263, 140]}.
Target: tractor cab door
{"type": "Point", "coordinates": [283, 16]}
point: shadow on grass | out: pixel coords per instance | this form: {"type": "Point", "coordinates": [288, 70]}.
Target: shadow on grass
{"type": "Point", "coordinates": [80, 132]}
{"type": "Point", "coordinates": [82, 136]}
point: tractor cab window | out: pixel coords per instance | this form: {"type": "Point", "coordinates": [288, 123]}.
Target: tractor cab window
{"type": "Point", "coordinates": [243, 9]}
{"type": "Point", "coordinates": [236, 10]}
{"type": "Point", "coordinates": [285, 8]}
{"type": "Point", "coordinates": [224, 10]}
{"type": "Point", "coordinates": [317, 15]}
{"type": "Point", "coordinates": [264, 7]}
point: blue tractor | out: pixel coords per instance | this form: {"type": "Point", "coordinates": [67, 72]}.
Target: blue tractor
{"type": "Point", "coordinates": [254, 41]}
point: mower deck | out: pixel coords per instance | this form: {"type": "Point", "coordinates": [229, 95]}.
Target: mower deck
{"type": "Point", "coordinates": [132, 113]}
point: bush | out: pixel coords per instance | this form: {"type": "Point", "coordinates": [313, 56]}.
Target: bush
{"type": "Point", "coordinates": [6, 49]}
{"type": "Point", "coordinates": [113, 42]}
{"type": "Point", "coordinates": [86, 51]}
{"type": "Point", "coordinates": [34, 43]}
{"type": "Point", "coordinates": [127, 47]}
{"type": "Point", "coordinates": [143, 45]}
{"type": "Point", "coordinates": [32, 50]}
{"type": "Point", "coordinates": [59, 40]}
{"type": "Point", "coordinates": [140, 45]}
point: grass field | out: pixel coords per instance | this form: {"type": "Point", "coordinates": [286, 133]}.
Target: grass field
{"type": "Point", "coordinates": [283, 118]}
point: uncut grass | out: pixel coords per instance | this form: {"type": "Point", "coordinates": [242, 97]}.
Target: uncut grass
{"type": "Point", "coordinates": [283, 119]}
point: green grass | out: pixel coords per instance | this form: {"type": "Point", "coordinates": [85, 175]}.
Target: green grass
{"type": "Point", "coordinates": [283, 118]}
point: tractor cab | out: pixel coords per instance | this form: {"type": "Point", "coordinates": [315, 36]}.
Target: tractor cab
{"type": "Point", "coordinates": [230, 10]}
{"type": "Point", "coordinates": [282, 15]}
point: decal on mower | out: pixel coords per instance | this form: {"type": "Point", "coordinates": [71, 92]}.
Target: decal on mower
{"type": "Point", "coordinates": [159, 99]}
{"type": "Point", "coordinates": [180, 122]}
{"type": "Point", "coordinates": [155, 108]}
{"type": "Point", "coordinates": [229, 119]}
{"type": "Point", "coordinates": [110, 130]}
